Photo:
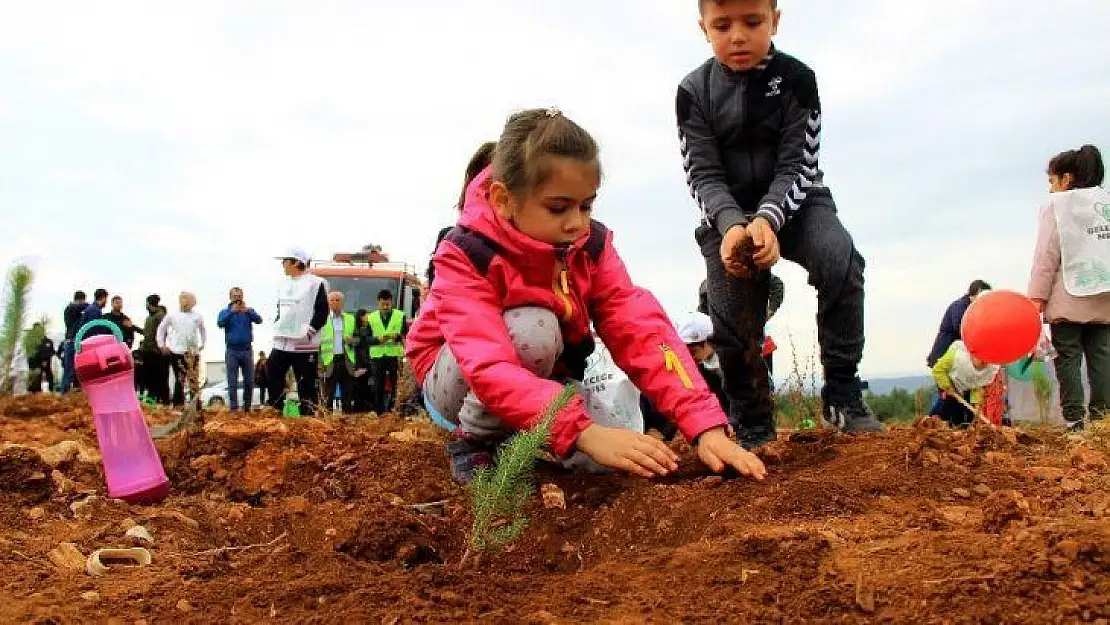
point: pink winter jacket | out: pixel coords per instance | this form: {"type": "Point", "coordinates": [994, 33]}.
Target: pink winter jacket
{"type": "Point", "coordinates": [1047, 281]}
{"type": "Point", "coordinates": [464, 309]}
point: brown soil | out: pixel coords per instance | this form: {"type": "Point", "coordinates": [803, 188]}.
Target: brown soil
{"type": "Point", "coordinates": [923, 525]}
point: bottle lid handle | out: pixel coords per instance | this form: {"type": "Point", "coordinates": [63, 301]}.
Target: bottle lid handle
{"type": "Point", "coordinates": [102, 323]}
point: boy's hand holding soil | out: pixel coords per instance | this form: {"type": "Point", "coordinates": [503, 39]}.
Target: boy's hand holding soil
{"type": "Point", "coordinates": [746, 249]}
{"type": "Point", "coordinates": [645, 456]}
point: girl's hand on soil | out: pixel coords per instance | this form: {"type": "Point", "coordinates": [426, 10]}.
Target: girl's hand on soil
{"type": "Point", "coordinates": [731, 254]}
{"type": "Point", "coordinates": [766, 243]}
{"type": "Point", "coordinates": [626, 450]}
{"type": "Point", "coordinates": [717, 451]}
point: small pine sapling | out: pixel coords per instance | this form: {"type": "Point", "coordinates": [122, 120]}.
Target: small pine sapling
{"type": "Point", "coordinates": [15, 317]}
{"type": "Point", "coordinates": [1043, 389]}
{"type": "Point", "coordinates": [501, 492]}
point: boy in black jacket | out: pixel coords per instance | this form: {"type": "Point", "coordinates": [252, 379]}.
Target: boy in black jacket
{"type": "Point", "coordinates": [749, 125]}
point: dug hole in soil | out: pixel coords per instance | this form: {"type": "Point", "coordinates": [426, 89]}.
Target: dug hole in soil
{"type": "Point", "coordinates": [307, 520]}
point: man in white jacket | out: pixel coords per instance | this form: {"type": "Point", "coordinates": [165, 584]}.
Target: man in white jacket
{"type": "Point", "coordinates": [182, 336]}
{"type": "Point", "coordinates": [302, 312]}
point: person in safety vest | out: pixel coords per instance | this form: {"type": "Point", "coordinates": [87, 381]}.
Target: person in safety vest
{"type": "Point", "coordinates": [337, 353]}
{"type": "Point", "coordinates": [386, 348]}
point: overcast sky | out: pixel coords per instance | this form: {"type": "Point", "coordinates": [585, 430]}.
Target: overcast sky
{"type": "Point", "coordinates": [154, 147]}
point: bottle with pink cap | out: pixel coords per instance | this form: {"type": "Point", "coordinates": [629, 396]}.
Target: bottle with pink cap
{"type": "Point", "coordinates": [107, 373]}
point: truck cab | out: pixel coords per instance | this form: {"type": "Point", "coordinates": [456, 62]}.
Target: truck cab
{"type": "Point", "coordinates": [361, 275]}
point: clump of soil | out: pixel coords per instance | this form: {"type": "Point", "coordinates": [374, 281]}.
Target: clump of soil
{"type": "Point", "coordinates": [1004, 508]}
{"type": "Point", "coordinates": [357, 520]}
{"type": "Point", "coordinates": [23, 473]}
{"type": "Point", "coordinates": [394, 537]}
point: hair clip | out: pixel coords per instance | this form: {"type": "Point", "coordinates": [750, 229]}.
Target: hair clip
{"type": "Point", "coordinates": [553, 112]}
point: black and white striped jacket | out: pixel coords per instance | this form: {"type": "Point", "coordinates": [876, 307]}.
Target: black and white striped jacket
{"type": "Point", "coordinates": [750, 140]}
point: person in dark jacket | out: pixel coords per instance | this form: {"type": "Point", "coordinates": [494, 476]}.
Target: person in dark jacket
{"type": "Point", "coordinates": [479, 161]}
{"type": "Point", "coordinates": [72, 318]}
{"type": "Point", "coordinates": [261, 382]}
{"type": "Point", "coordinates": [364, 338]}
{"type": "Point", "coordinates": [122, 321]}
{"type": "Point", "coordinates": [90, 313]}
{"type": "Point", "coordinates": [237, 320]}
{"type": "Point", "coordinates": [749, 124]}
{"type": "Point", "coordinates": [40, 360]}
{"type": "Point", "coordinates": [155, 371]}
{"type": "Point", "coordinates": [949, 331]}
{"type": "Point", "coordinates": [94, 311]}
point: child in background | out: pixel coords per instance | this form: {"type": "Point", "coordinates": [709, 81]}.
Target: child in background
{"type": "Point", "coordinates": [959, 372]}
{"type": "Point", "coordinates": [1070, 281]}
{"type": "Point", "coordinates": [518, 283]}
{"type": "Point", "coordinates": [480, 160]}
{"type": "Point", "coordinates": [695, 330]}
{"type": "Point", "coordinates": [749, 127]}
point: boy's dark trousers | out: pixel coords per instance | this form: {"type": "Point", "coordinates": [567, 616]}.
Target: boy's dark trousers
{"type": "Point", "coordinates": [384, 368]}
{"type": "Point", "coordinates": [43, 372]}
{"type": "Point", "coordinates": [304, 365]}
{"type": "Point", "coordinates": [816, 240]}
{"type": "Point", "coordinates": [954, 413]}
{"type": "Point", "coordinates": [342, 378]}
{"type": "Point", "coordinates": [155, 375]}
{"type": "Point", "coordinates": [1073, 343]}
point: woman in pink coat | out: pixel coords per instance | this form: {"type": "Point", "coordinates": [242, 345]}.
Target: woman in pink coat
{"type": "Point", "coordinates": [1070, 281]}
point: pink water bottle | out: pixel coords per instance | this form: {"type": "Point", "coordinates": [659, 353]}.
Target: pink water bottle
{"type": "Point", "coordinates": [107, 374]}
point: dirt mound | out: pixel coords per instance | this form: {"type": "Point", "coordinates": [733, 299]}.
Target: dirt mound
{"type": "Point", "coordinates": [23, 472]}
{"type": "Point", "coordinates": [357, 520]}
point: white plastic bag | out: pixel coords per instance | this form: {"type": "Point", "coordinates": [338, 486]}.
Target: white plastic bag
{"type": "Point", "coordinates": [619, 397]}
{"type": "Point", "coordinates": [1044, 350]}
{"type": "Point", "coordinates": [611, 400]}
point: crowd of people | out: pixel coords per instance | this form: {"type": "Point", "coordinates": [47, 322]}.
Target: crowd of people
{"type": "Point", "coordinates": [350, 359]}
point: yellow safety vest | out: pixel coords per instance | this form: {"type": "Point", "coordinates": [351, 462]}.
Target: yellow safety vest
{"type": "Point", "coordinates": [396, 324]}
{"type": "Point", "coordinates": [327, 339]}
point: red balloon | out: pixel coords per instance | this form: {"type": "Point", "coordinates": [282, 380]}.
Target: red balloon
{"type": "Point", "coordinates": [1001, 326]}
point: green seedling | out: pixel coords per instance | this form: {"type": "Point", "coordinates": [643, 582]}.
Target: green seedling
{"type": "Point", "coordinates": [500, 493]}
{"type": "Point", "coordinates": [15, 317]}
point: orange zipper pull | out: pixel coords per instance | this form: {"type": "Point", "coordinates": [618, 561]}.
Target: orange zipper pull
{"type": "Point", "coordinates": [564, 282]}
{"type": "Point", "coordinates": [674, 365]}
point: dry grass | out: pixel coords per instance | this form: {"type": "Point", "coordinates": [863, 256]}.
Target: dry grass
{"type": "Point", "coordinates": [798, 401]}
{"type": "Point", "coordinates": [1097, 433]}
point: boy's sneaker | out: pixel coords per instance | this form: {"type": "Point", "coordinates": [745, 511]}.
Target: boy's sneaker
{"type": "Point", "coordinates": [467, 456]}
{"type": "Point", "coordinates": [849, 414]}
{"type": "Point", "coordinates": [1075, 426]}
{"type": "Point", "coordinates": [752, 437]}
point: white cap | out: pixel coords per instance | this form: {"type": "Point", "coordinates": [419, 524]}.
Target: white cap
{"type": "Point", "coordinates": [295, 253]}
{"type": "Point", "coordinates": [695, 327]}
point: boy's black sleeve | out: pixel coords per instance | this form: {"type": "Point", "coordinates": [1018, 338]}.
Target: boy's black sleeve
{"type": "Point", "coordinates": [796, 168]}
{"type": "Point", "coordinates": [776, 296]}
{"type": "Point", "coordinates": [702, 161]}
{"type": "Point", "coordinates": [320, 309]}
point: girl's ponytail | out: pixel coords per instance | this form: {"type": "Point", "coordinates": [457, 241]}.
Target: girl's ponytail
{"type": "Point", "coordinates": [1084, 165]}
{"type": "Point", "coordinates": [481, 159]}
{"type": "Point", "coordinates": [1091, 169]}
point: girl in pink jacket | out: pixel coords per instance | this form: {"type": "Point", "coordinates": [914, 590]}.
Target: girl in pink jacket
{"type": "Point", "coordinates": [1070, 282]}
{"type": "Point", "coordinates": [518, 283]}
